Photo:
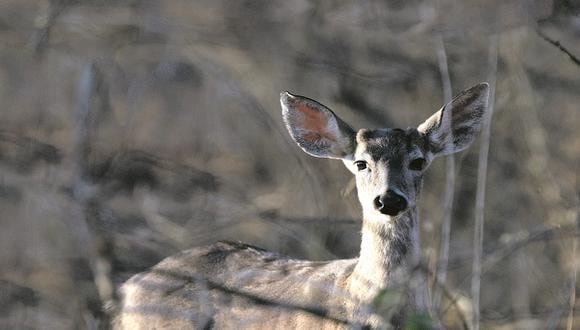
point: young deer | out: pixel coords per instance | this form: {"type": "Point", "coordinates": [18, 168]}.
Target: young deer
{"type": "Point", "coordinates": [234, 285]}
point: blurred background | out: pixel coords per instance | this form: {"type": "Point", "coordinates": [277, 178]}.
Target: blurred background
{"type": "Point", "coordinates": [133, 129]}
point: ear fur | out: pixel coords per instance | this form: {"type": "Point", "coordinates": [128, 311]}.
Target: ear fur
{"type": "Point", "coordinates": [457, 124]}
{"type": "Point", "coordinates": [316, 129]}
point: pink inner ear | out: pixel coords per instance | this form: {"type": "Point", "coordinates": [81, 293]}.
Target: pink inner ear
{"type": "Point", "coordinates": [316, 122]}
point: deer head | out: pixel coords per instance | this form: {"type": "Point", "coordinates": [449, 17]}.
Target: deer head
{"type": "Point", "coordinates": [388, 163]}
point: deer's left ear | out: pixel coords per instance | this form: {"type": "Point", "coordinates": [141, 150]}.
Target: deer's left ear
{"type": "Point", "coordinates": [457, 124]}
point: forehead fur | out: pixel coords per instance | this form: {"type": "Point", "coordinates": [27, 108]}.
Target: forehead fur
{"type": "Point", "coordinates": [390, 141]}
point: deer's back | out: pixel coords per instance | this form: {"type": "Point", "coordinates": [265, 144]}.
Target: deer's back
{"type": "Point", "coordinates": [234, 285]}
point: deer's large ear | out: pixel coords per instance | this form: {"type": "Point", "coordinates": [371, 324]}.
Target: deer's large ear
{"type": "Point", "coordinates": [457, 124]}
{"type": "Point", "coordinates": [316, 129]}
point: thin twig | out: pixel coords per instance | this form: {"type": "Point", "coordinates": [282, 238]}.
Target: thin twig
{"type": "Point", "coordinates": [93, 103]}
{"type": "Point", "coordinates": [40, 38]}
{"type": "Point", "coordinates": [539, 313]}
{"type": "Point", "coordinates": [252, 105]}
{"type": "Point", "coordinates": [447, 293]}
{"type": "Point", "coordinates": [314, 221]}
{"type": "Point", "coordinates": [541, 235]}
{"type": "Point", "coordinates": [442, 262]}
{"type": "Point", "coordinates": [558, 45]}
{"type": "Point", "coordinates": [522, 240]}
{"type": "Point", "coordinates": [481, 183]}
{"type": "Point", "coordinates": [570, 323]}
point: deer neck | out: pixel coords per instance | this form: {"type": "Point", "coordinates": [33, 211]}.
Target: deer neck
{"type": "Point", "coordinates": [385, 242]}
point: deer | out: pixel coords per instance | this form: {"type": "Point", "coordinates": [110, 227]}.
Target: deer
{"type": "Point", "coordinates": [232, 285]}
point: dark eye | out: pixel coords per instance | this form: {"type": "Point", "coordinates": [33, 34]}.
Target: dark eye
{"type": "Point", "coordinates": [360, 165]}
{"type": "Point", "coordinates": [417, 164]}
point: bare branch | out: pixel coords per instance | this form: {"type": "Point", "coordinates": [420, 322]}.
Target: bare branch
{"type": "Point", "coordinates": [572, 302]}
{"type": "Point", "coordinates": [441, 270]}
{"type": "Point", "coordinates": [523, 239]}
{"type": "Point", "coordinates": [558, 45]}
{"type": "Point", "coordinates": [447, 293]}
{"type": "Point", "coordinates": [520, 241]}
{"type": "Point", "coordinates": [41, 37]}
{"type": "Point", "coordinates": [481, 183]}
{"type": "Point", "coordinates": [93, 102]}
{"type": "Point", "coordinates": [314, 221]}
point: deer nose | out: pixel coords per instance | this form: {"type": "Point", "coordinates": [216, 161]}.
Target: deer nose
{"type": "Point", "coordinates": [390, 203]}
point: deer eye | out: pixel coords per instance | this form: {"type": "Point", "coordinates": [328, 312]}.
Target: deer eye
{"type": "Point", "coordinates": [417, 164]}
{"type": "Point", "coordinates": [361, 165]}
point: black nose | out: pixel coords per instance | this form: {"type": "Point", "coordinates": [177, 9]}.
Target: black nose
{"type": "Point", "coordinates": [390, 203]}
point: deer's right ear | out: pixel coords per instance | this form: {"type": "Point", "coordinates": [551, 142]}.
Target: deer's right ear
{"type": "Point", "coordinates": [316, 129]}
